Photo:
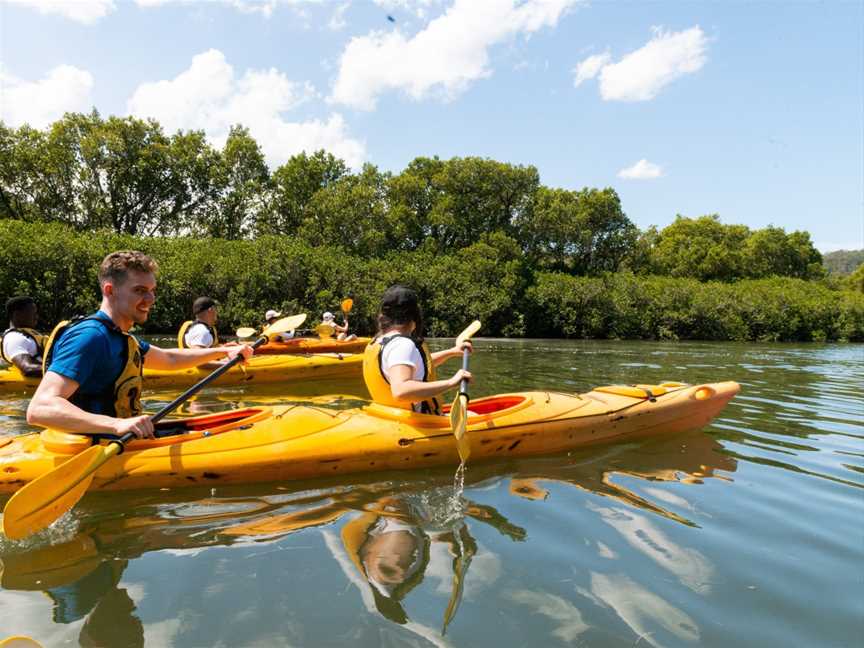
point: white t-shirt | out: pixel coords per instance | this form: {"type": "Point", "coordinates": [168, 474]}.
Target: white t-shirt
{"type": "Point", "coordinates": [199, 335]}
{"type": "Point", "coordinates": [15, 343]}
{"type": "Point", "coordinates": [401, 351]}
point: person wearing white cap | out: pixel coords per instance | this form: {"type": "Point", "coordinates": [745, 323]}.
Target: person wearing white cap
{"type": "Point", "coordinates": [271, 316]}
{"type": "Point", "coordinates": [329, 328]}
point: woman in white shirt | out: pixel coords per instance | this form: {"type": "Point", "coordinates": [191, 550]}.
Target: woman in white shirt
{"type": "Point", "coordinates": [398, 367]}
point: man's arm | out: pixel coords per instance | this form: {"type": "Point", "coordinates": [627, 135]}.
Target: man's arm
{"type": "Point", "coordinates": [28, 365]}
{"type": "Point", "coordinates": [50, 407]}
{"type": "Point", "coordinates": [176, 359]}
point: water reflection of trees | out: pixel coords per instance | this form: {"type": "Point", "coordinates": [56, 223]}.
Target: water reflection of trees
{"type": "Point", "coordinates": [384, 534]}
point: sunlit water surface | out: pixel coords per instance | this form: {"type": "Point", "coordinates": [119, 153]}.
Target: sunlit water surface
{"type": "Point", "coordinates": [748, 533]}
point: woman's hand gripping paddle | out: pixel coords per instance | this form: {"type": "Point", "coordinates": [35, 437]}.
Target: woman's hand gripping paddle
{"type": "Point", "coordinates": [459, 409]}
{"type": "Point", "coordinates": [43, 500]}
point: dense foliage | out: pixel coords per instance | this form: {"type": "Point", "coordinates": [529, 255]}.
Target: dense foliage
{"type": "Point", "coordinates": [491, 280]}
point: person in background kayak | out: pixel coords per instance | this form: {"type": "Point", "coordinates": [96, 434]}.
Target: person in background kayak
{"type": "Point", "coordinates": [200, 332]}
{"type": "Point", "coordinates": [329, 328]}
{"type": "Point", "coordinates": [271, 316]}
{"type": "Point", "coordinates": [22, 345]}
{"type": "Point", "coordinates": [398, 368]}
{"type": "Point", "coordinates": [94, 367]}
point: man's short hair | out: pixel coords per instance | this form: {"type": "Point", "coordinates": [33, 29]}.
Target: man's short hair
{"type": "Point", "coordinates": [18, 303]}
{"type": "Point", "coordinates": [116, 266]}
{"type": "Point", "coordinates": [202, 304]}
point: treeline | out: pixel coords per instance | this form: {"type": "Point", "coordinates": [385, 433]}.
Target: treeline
{"type": "Point", "coordinates": [490, 279]}
{"type": "Point", "coordinates": [127, 176]}
{"type": "Point", "coordinates": [843, 262]}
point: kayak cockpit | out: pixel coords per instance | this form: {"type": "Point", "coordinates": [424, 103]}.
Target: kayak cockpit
{"type": "Point", "coordinates": [479, 411]}
{"type": "Point", "coordinates": [167, 432]}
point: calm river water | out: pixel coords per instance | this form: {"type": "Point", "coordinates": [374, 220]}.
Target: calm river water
{"type": "Point", "coordinates": [747, 533]}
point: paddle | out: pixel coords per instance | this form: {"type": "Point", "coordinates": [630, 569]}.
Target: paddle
{"type": "Point", "coordinates": [295, 321]}
{"type": "Point", "coordinates": [458, 411]}
{"type": "Point", "coordinates": [43, 500]}
{"type": "Point", "coordinates": [347, 305]}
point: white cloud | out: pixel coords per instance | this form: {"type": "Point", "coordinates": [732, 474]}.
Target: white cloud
{"type": "Point", "coordinates": [38, 103]}
{"type": "Point", "coordinates": [83, 11]}
{"type": "Point", "coordinates": [445, 58]}
{"type": "Point", "coordinates": [642, 170]}
{"type": "Point", "coordinates": [208, 96]}
{"type": "Point", "coordinates": [589, 68]}
{"type": "Point", "coordinates": [642, 74]}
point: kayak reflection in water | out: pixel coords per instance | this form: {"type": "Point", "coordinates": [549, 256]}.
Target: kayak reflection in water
{"type": "Point", "coordinates": [82, 585]}
{"type": "Point", "coordinates": [390, 554]}
{"type": "Point", "coordinates": [388, 549]}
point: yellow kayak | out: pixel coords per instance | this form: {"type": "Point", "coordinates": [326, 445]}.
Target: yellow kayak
{"type": "Point", "coordinates": [259, 370]}
{"type": "Point", "coordinates": [297, 442]}
{"type": "Point", "coordinates": [314, 345]}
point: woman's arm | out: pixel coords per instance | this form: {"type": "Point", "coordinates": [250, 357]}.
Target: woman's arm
{"type": "Point", "coordinates": [404, 387]}
{"type": "Point", "coordinates": [440, 357]}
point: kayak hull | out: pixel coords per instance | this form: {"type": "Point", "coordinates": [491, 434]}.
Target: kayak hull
{"type": "Point", "coordinates": [258, 370]}
{"type": "Point", "coordinates": [314, 345]}
{"type": "Point", "coordinates": [300, 442]}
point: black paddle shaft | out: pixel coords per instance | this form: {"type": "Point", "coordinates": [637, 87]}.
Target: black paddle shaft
{"type": "Point", "coordinates": [194, 389]}
{"type": "Point", "coordinates": [463, 386]}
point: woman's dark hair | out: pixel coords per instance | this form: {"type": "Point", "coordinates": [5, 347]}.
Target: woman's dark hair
{"type": "Point", "coordinates": [15, 304]}
{"type": "Point", "coordinates": [400, 305]}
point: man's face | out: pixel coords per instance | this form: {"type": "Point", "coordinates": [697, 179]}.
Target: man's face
{"type": "Point", "coordinates": [208, 316]}
{"type": "Point", "coordinates": [134, 297]}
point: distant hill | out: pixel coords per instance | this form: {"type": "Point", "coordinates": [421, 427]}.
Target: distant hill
{"type": "Point", "coordinates": [843, 262]}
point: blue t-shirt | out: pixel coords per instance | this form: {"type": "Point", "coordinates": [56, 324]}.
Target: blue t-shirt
{"type": "Point", "coordinates": [92, 355]}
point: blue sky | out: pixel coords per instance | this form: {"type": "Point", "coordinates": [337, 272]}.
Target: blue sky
{"type": "Point", "coordinates": [754, 111]}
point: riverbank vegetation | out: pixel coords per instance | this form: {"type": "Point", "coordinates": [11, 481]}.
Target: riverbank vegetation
{"type": "Point", "coordinates": [476, 237]}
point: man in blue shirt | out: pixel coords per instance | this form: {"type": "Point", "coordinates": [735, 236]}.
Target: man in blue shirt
{"type": "Point", "coordinates": [93, 375]}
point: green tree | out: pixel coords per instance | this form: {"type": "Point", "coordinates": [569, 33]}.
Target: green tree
{"type": "Point", "coordinates": [241, 180]}
{"type": "Point", "coordinates": [412, 196]}
{"type": "Point", "coordinates": [349, 213]}
{"type": "Point", "coordinates": [582, 232]}
{"type": "Point", "coordinates": [702, 248]}
{"type": "Point", "coordinates": [855, 281]}
{"type": "Point", "coordinates": [293, 186]}
{"type": "Point", "coordinates": [771, 252]}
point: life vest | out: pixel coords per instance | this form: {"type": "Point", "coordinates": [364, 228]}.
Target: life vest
{"type": "Point", "coordinates": [123, 398]}
{"type": "Point", "coordinates": [185, 326]}
{"type": "Point", "coordinates": [36, 336]}
{"type": "Point", "coordinates": [326, 329]}
{"type": "Point", "coordinates": [379, 386]}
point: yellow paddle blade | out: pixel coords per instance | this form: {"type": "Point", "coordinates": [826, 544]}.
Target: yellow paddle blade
{"type": "Point", "coordinates": [42, 501]}
{"type": "Point", "coordinates": [459, 423]}
{"type": "Point", "coordinates": [347, 305]}
{"type": "Point", "coordinates": [469, 332]}
{"type": "Point", "coordinates": [279, 326]}
{"type": "Point", "coordinates": [284, 324]}
{"type": "Point", "coordinates": [19, 641]}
